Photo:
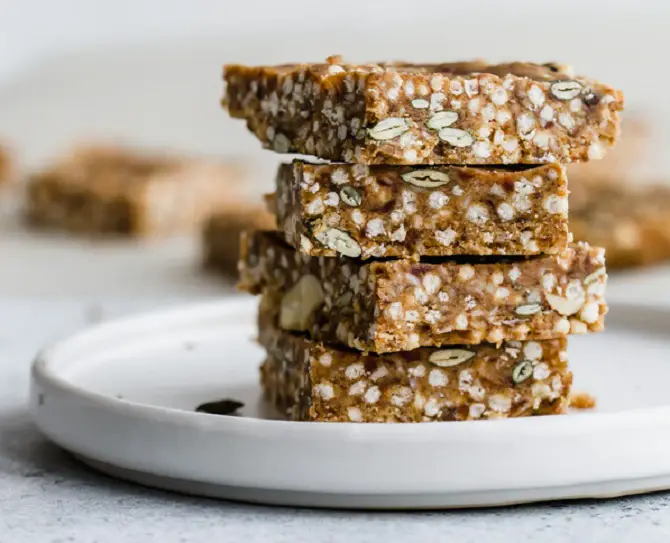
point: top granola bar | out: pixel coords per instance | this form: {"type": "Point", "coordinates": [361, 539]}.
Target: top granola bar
{"type": "Point", "coordinates": [457, 113]}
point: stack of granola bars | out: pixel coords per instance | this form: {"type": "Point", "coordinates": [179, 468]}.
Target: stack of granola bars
{"type": "Point", "coordinates": [427, 273]}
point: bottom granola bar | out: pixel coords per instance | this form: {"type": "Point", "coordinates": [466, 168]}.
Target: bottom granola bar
{"type": "Point", "coordinates": [310, 381]}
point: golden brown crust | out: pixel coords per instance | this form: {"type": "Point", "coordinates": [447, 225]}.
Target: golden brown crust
{"type": "Point", "coordinates": [403, 211]}
{"type": "Point", "coordinates": [459, 113]}
{"type": "Point", "coordinates": [308, 380]}
{"type": "Point", "coordinates": [397, 305]}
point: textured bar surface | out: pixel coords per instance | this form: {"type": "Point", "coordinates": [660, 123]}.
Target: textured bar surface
{"type": "Point", "coordinates": [401, 211]}
{"type": "Point", "coordinates": [399, 305]}
{"type": "Point", "coordinates": [458, 113]}
{"type": "Point", "coordinates": [311, 381]}
{"type": "Point", "coordinates": [99, 190]}
{"type": "Point", "coordinates": [632, 222]}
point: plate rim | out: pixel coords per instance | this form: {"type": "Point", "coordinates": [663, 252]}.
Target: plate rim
{"type": "Point", "coordinates": [43, 374]}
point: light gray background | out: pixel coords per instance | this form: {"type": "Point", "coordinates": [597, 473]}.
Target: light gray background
{"type": "Point", "coordinates": [148, 72]}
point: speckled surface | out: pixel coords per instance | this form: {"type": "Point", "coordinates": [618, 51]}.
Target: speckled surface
{"type": "Point", "coordinates": [46, 496]}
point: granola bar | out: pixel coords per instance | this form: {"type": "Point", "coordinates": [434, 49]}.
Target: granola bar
{"type": "Point", "coordinates": [221, 234]}
{"type": "Point", "coordinates": [402, 211]}
{"type": "Point", "coordinates": [310, 381]}
{"type": "Point", "coordinates": [457, 113]}
{"type": "Point", "coordinates": [117, 191]}
{"type": "Point", "coordinates": [399, 305]}
{"type": "Point", "coordinates": [6, 167]}
{"type": "Point", "coordinates": [631, 222]}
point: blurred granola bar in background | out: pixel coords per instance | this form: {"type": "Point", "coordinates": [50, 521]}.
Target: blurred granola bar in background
{"type": "Point", "coordinates": [632, 222]}
{"type": "Point", "coordinates": [621, 161]}
{"type": "Point", "coordinates": [7, 166]}
{"type": "Point", "coordinates": [222, 231]}
{"type": "Point", "coordinates": [121, 191]}
{"type": "Point", "coordinates": [613, 205]}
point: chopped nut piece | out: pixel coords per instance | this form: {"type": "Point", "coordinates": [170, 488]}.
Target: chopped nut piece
{"type": "Point", "coordinates": [441, 120]}
{"type": "Point", "coordinates": [340, 242]}
{"type": "Point", "coordinates": [389, 128]}
{"type": "Point", "coordinates": [299, 303]}
{"type": "Point", "coordinates": [456, 137]}
{"type": "Point", "coordinates": [582, 400]}
{"type": "Point", "coordinates": [565, 306]}
{"type": "Point", "coordinates": [528, 309]}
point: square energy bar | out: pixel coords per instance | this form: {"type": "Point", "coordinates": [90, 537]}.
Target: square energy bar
{"type": "Point", "coordinates": [7, 170]}
{"type": "Point", "coordinates": [399, 305]}
{"type": "Point", "coordinates": [309, 381]}
{"type": "Point", "coordinates": [100, 190]}
{"type": "Point", "coordinates": [632, 222]}
{"type": "Point", "coordinates": [452, 113]}
{"type": "Point", "coordinates": [403, 211]}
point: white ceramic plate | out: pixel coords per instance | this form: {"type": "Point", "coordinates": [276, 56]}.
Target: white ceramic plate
{"type": "Point", "coordinates": [121, 397]}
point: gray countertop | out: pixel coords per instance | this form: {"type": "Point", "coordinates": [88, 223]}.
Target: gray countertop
{"type": "Point", "coordinates": [52, 285]}
{"type": "Point", "coordinates": [46, 496]}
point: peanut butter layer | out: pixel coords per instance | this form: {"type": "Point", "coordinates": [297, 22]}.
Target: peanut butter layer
{"type": "Point", "coordinates": [402, 211]}
{"type": "Point", "coordinates": [100, 190]}
{"type": "Point", "coordinates": [458, 113]}
{"type": "Point", "coordinates": [399, 305]}
{"type": "Point", "coordinates": [631, 222]}
{"type": "Point", "coordinates": [221, 234]}
{"type": "Point", "coordinates": [310, 381]}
